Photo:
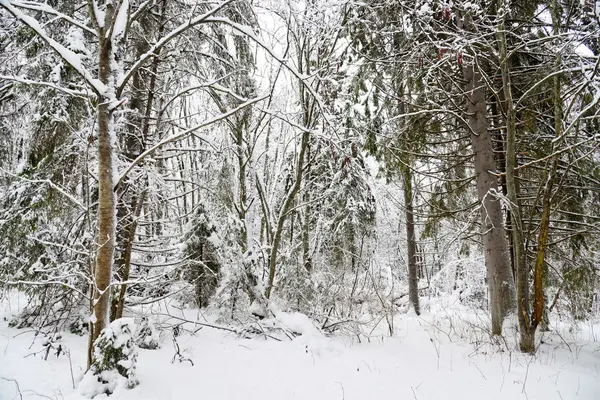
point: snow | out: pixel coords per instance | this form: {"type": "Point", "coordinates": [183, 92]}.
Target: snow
{"type": "Point", "coordinates": [68, 55]}
{"type": "Point", "coordinates": [440, 355]}
{"type": "Point", "coordinates": [214, 239]}
{"type": "Point", "coordinates": [584, 51]}
{"type": "Point", "coordinates": [298, 323]}
{"type": "Point", "coordinates": [470, 6]}
{"type": "Point", "coordinates": [55, 74]}
{"type": "Point", "coordinates": [425, 10]}
{"type": "Point", "coordinates": [372, 164]}
{"type": "Point", "coordinates": [77, 41]}
{"type": "Point", "coordinates": [115, 329]}
{"type": "Point", "coordinates": [121, 20]}
{"type": "Point", "coordinates": [90, 385]}
{"type": "Point", "coordinates": [100, 15]}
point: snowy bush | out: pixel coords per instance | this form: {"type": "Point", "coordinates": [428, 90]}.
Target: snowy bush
{"type": "Point", "coordinates": [78, 325]}
{"type": "Point", "coordinates": [115, 356]}
{"type": "Point", "coordinates": [147, 337]}
{"type": "Point", "coordinates": [24, 319]}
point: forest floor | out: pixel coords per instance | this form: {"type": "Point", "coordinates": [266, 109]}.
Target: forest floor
{"type": "Point", "coordinates": [442, 354]}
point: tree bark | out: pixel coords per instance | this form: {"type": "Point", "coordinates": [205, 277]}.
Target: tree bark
{"type": "Point", "coordinates": [106, 196]}
{"type": "Point", "coordinates": [539, 269]}
{"type": "Point", "coordinates": [306, 259]}
{"type": "Point", "coordinates": [287, 205]}
{"type": "Point", "coordinates": [411, 243]}
{"type": "Point", "coordinates": [129, 206]}
{"type": "Point", "coordinates": [527, 339]}
{"type": "Point", "coordinates": [495, 246]}
{"type": "Point", "coordinates": [125, 260]}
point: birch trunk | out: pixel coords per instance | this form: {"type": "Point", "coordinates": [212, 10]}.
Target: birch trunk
{"type": "Point", "coordinates": [106, 196]}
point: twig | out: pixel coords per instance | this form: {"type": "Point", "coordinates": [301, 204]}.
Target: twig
{"type": "Point", "coordinates": [16, 383]}
{"type": "Point", "coordinates": [223, 328]}
{"type": "Point", "coordinates": [526, 374]}
{"type": "Point", "coordinates": [327, 318]}
{"type": "Point", "coordinates": [178, 354]}
{"type": "Point", "coordinates": [334, 324]}
{"type": "Point", "coordinates": [480, 371]}
{"type": "Point", "coordinates": [429, 323]}
{"type": "Point", "coordinates": [71, 368]}
{"type": "Point", "coordinates": [414, 394]}
{"type": "Point", "coordinates": [343, 394]}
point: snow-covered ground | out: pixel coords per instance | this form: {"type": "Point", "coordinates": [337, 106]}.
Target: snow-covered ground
{"type": "Point", "coordinates": [442, 354]}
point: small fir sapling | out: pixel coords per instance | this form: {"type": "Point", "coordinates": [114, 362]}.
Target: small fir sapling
{"type": "Point", "coordinates": [115, 357]}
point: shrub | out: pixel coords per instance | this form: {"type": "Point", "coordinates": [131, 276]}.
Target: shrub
{"type": "Point", "coordinates": [115, 356]}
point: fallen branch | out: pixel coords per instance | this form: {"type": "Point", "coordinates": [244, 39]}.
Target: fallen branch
{"type": "Point", "coordinates": [334, 324]}
{"type": "Point", "coordinates": [223, 328]}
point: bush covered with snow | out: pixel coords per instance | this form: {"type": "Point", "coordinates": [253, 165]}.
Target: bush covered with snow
{"type": "Point", "coordinates": [78, 325]}
{"type": "Point", "coordinates": [147, 337]}
{"type": "Point", "coordinates": [115, 356]}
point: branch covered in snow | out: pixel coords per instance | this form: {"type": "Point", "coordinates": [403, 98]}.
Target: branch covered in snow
{"type": "Point", "coordinates": [163, 41]}
{"type": "Point", "coordinates": [184, 133]}
{"type": "Point", "coordinates": [69, 56]}
{"type": "Point", "coordinates": [25, 81]}
{"type": "Point", "coordinates": [30, 5]}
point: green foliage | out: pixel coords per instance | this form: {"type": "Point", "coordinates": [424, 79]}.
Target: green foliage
{"type": "Point", "coordinates": [579, 290]}
{"type": "Point", "coordinates": [203, 267]}
{"type": "Point", "coordinates": [43, 238]}
{"type": "Point", "coordinates": [115, 351]}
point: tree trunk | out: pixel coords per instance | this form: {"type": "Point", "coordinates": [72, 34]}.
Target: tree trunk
{"type": "Point", "coordinates": [125, 261]}
{"type": "Point", "coordinates": [539, 269]}
{"type": "Point", "coordinates": [527, 338]}
{"type": "Point", "coordinates": [500, 151]}
{"type": "Point", "coordinates": [495, 246]}
{"type": "Point", "coordinates": [106, 196]}
{"type": "Point", "coordinates": [287, 205]}
{"type": "Point", "coordinates": [306, 259]}
{"type": "Point", "coordinates": [411, 243]}
{"type": "Point", "coordinates": [129, 199]}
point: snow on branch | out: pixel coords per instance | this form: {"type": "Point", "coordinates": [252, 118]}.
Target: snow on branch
{"type": "Point", "coordinates": [120, 22]}
{"type": "Point", "coordinates": [52, 185]}
{"type": "Point", "coordinates": [25, 81]}
{"type": "Point", "coordinates": [247, 31]}
{"type": "Point", "coordinates": [18, 282]}
{"type": "Point", "coordinates": [45, 8]}
{"type": "Point", "coordinates": [184, 133]}
{"type": "Point", "coordinates": [141, 8]}
{"type": "Point", "coordinates": [575, 121]}
{"type": "Point", "coordinates": [69, 56]}
{"type": "Point", "coordinates": [191, 89]}
{"type": "Point", "coordinates": [163, 41]}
